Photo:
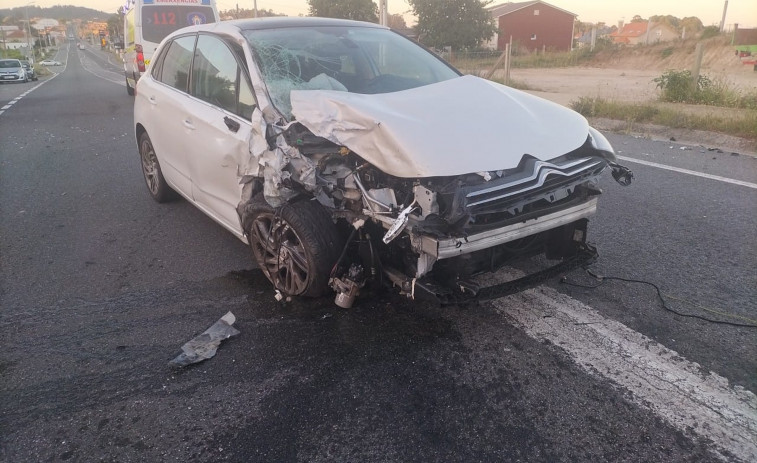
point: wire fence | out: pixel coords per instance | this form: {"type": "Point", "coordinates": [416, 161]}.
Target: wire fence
{"type": "Point", "coordinates": [480, 62]}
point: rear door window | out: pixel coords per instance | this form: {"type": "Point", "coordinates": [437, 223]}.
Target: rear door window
{"type": "Point", "coordinates": [176, 66]}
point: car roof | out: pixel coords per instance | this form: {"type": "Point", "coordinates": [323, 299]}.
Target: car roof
{"type": "Point", "coordinates": [276, 22]}
{"type": "Point", "coordinates": [282, 22]}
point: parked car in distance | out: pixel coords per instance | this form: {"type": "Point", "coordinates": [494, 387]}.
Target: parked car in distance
{"type": "Point", "coordinates": [50, 62]}
{"type": "Point", "coordinates": [11, 70]}
{"type": "Point", "coordinates": [347, 155]}
{"type": "Point", "coordinates": [30, 72]}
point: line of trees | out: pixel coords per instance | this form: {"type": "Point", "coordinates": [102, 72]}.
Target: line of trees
{"type": "Point", "coordinates": [454, 23]}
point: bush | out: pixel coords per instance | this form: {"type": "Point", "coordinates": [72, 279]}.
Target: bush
{"type": "Point", "coordinates": [710, 31]}
{"type": "Point", "coordinates": [677, 87]}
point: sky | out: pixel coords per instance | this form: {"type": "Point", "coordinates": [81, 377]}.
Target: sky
{"type": "Point", "coordinates": [743, 12]}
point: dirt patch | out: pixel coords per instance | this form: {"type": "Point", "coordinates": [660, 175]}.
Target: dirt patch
{"type": "Point", "coordinates": [563, 85]}
{"type": "Point", "coordinates": [626, 75]}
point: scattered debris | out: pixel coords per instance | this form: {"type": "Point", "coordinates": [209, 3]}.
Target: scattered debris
{"type": "Point", "coordinates": [672, 138]}
{"type": "Point", "coordinates": [204, 346]}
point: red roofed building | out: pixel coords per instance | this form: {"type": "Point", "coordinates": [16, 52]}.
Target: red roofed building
{"type": "Point", "coordinates": [636, 32]}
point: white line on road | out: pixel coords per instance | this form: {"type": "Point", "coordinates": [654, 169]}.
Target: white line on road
{"type": "Point", "coordinates": [690, 172]}
{"type": "Point", "coordinates": [658, 378]}
{"type": "Point", "coordinates": [15, 100]}
{"type": "Point", "coordinates": [119, 80]}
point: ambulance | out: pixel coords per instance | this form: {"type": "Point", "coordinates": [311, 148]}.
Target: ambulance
{"type": "Point", "coordinates": [147, 22]}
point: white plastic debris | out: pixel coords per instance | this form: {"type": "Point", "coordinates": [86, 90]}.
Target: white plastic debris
{"type": "Point", "coordinates": [205, 345]}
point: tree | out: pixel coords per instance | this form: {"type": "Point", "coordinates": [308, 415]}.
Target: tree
{"type": "Point", "coordinates": [671, 21]}
{"type": "Point", "coordinates": [454, 23]}
{"type": "Point", "coordinates": [116, 25]}
{"type": "Point", "coordinates": [396, 22]}
{"type": "Point", "coordinates": [692, 24]}
{"type": "Point", "coordinates": [637, 19]}
{"type": "Point", "coordinates": [358, 10]}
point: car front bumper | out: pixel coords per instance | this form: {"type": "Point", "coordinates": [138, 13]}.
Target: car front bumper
{"type": "Point", "coordinates": [452, 247]}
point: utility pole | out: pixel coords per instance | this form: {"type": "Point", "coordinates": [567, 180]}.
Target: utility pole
{"type": "Point", "coordinates": [722, 21]}
{"type": "Point", "coordinates": [5, 44]}
{"type": "Point", "coordinates": [383, 16]}
{"type": "Point", "coordinates": [30, 50]}
{"type": "Point", "coordinates": [255, 3]}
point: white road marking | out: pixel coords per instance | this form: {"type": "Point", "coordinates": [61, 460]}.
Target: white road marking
{"type": "Point", "coordinates": [15, 100]}
{"type": "Point", "coordinates": [658, 378]}
{"type": "Point", "coordinates": [85, 61]}
{"type": "Point", "coordinates": [690, 172]}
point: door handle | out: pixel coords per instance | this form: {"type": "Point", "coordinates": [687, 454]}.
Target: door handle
{"type": "Point", "coordinates": [231, 124]}
{"type": "Point", "coordinates": [152, 100]}
{"type": "Point", "coordinates": [188, 124]}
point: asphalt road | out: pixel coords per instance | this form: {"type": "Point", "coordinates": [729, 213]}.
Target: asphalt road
{"type": "Point", "coordinates": [100, 286]}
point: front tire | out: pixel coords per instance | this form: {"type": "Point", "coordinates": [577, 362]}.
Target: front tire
{"type": "Point", "coordinates": [295, 246]}
{"type": "Point", "coordinates": [156, 183]}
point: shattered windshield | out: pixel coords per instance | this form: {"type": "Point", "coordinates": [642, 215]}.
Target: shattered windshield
{"type": "Point", "coordinates": [349, 59]}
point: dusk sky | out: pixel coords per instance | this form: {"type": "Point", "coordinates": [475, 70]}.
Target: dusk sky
{"type": "Point", "coordinates": [743, 12]}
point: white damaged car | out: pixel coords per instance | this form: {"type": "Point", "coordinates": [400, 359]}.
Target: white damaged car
{"type": "Point", "coordinates": [347, 155]}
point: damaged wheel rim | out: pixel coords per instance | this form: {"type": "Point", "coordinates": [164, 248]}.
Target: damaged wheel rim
{"type": "Point", "coordinates": [280, 252]}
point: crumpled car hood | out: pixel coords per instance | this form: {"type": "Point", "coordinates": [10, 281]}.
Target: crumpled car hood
{"type": "Point", "coordinates": [458, 126]}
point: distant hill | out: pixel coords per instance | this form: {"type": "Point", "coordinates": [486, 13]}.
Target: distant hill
{"type": "Point", "coordinates": [59, 12]}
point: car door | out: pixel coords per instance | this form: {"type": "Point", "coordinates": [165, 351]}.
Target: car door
{"type": "Point", "coordinates": [221, 116]}
{"type": "Point", "coordinates": [165, 118]}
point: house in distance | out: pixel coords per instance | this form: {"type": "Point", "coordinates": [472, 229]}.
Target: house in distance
{"type": "Point", "coordinates": [535, 26]}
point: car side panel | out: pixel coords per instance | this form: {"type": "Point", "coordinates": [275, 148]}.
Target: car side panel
{"type": "Point", "coordinates": [163, 112]}
{"type": "Point", "coordinates": [213, 165]}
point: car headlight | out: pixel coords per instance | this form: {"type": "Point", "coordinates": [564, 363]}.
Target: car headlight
{"type": "Point", "coordinates": [600, 143]}
{"type": "Point", "coordinates": [21, 73]}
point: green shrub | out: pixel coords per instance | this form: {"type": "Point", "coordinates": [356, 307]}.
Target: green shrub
{"type": "Point", "coordinates": [667, 52]}
{"type": "Point", "coordinates": [709, 32]}
{"type": "Point", "coordinates": [676, 87]}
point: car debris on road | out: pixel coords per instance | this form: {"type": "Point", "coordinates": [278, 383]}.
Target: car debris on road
{"type": "Point", "coordinates": [205, 345]}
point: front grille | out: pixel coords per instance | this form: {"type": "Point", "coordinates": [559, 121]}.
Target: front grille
{"type": "Point", "coordinates": [534, 181]}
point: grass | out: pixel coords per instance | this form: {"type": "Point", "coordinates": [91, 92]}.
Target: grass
{"type": "Point", "coordinates": [742, 125]}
